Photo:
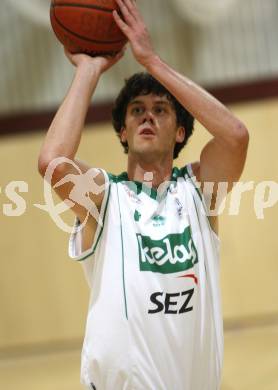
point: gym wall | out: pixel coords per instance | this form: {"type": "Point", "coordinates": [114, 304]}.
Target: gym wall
{"type": "Point", "coordinates": [44, 295]}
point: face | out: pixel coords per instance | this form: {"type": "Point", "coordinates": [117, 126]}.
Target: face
{"type": "Point", "coordinates": [151, 126]}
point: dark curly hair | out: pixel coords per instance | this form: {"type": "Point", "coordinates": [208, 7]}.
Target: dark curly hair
{"type": "Point", "coordinates": [144, 84]}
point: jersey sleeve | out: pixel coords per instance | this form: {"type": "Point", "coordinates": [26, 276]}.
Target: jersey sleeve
{"type": "Point", "coordinates": [75, 240]}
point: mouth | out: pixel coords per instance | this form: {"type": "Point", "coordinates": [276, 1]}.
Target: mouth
{"type": "Point", "coordinates": [148, 131]}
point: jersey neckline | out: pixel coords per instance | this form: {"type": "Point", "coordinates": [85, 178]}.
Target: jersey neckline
{"type": "Point", "coordinates": [156, 194]}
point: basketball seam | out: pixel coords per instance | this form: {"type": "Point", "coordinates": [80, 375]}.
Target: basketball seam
{"type": "Point", "coordinates": [83, 37]}
{"type": "Point", "coordinates": [97, 7]}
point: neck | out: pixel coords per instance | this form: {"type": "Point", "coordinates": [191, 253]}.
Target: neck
{"type": "Point", "coordinates": [152, 172]}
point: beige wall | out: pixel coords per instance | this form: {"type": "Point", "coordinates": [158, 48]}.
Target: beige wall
{"type": "Point", "coordinates": [44, 295]}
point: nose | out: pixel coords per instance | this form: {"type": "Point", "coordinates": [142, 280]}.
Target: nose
{"type": "Point", "coordinates": [148, 117]}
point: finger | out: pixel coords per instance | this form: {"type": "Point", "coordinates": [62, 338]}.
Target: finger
{"type": "Point", "coordinates": [118, 55]}
{"type": "Point", "coordinates": [123, 50]}
{"type": "Point", "coordinates": [121, 24]}
{"type": "Point", "coordinates": [68, 54]}
{"type": "Point", "coordinates": [132, 7]}
{"type": "Point", "coordinates": [128, 16]}
{"type": "Point", "coordinates": [113, 60]}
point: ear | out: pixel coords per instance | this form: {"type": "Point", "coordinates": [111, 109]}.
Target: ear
{"type": "Point", "coordinates": [180, 135]}
{"type": "Point", "coordinates": [123, 137]}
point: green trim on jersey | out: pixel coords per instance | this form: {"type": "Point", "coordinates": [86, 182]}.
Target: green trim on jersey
{"type": "Point", "coordinates": [123, 256]}
{"type": "Point", "coordinates": [139, 187]}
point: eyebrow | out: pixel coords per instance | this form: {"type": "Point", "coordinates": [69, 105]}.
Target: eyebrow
{"type": "Point", "coordinates": [165, 102]}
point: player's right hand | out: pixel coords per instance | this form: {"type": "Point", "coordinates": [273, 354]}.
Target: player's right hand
{"type": "Point", "coordinates": [132, 24]}
{"type": "Point", "coordinates": [100, 63]}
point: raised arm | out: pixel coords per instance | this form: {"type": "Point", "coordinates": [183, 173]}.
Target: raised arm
{"type": "Point", "coordinates": [64, 135]}
{"type": "Point", "coordinates": [223, 158]}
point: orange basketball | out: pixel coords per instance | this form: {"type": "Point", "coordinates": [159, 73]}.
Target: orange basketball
{"type": "Point", "coordinates": [87, 26]}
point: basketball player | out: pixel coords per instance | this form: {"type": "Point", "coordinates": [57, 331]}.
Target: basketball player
{"type": "Point", "coordinates": [154, 319]}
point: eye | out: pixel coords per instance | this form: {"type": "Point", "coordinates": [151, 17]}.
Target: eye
{"type": "Point", "coordinates": [159, 110]}
{"type": "Point", "coordinates": [137, 110]}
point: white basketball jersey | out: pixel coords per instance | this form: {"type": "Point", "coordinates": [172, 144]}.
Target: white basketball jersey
{"type": "Point", "coordinates": [154, 319]}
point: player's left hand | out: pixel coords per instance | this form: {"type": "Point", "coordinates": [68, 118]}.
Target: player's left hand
{"type": "Point", "coordinates": [98, 63]}
{"type": "Point", "coordinates": [133, 26]}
